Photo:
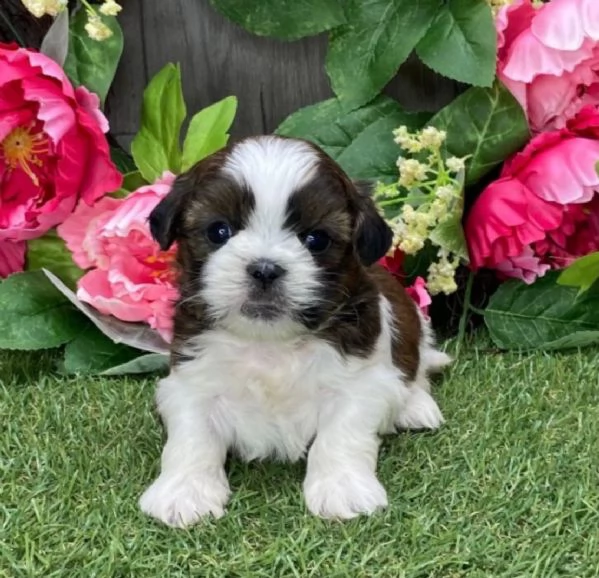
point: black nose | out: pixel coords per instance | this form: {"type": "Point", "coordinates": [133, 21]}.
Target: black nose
{"type": "Point", "coordinates": [265, 272]}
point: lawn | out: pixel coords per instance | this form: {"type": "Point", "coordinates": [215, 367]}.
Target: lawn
{"type": "Point", "coordinates": [508, 487]}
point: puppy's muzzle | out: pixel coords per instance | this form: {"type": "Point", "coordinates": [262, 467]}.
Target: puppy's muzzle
{"type": "Point", "coordinates": [265, 273]}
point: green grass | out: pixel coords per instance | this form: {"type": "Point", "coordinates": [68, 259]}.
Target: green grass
{"type": "Point", "coordinates": [509, 487]}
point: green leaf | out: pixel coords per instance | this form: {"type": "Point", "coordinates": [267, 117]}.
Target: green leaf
{"type": "Point", "coordinates": [366, 53]}
{"type": "Point", "coordinates": [361, 141]}
{"type": "Point", "coordinates": [284, 19]}
{"type": "Point", "coordinates": [34, 315]}
{"type": "Point", "coordinates": [486, 123]}
{"type": "Point", "coordinates": [461, 42]}
{"type": "Point", "coordinates": [156, 148]}
{"type": "Point", "coordinates": [208, 131]}
{"type": "Point", "coordinates": [583, 273]}
{"type": "Point", "coordinates": [543, 315]}
{"type": "Point", "coordinates": [122, 160]}
{"type": "Point", "coordinates": [51, 252]}
{"type": "Point", "coordinates": [89, 62]}
{"type": "Point", "coordinates": [150, 363]}
{"type": "Point", "coordinates": [55, 44]}
{"type": "Point", "coordinates": [91, 352]}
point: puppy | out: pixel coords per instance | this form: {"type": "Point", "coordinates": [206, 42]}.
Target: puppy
{"type": "Point", "coordinates": [287, 337]}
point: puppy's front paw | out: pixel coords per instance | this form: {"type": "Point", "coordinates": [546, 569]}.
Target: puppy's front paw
{"type": "Point", "coordinates": [180, 500]}
{"type": "Point", "coordinates": [420, 412]}
{"type": "Point", "coordinates": [344, 495]}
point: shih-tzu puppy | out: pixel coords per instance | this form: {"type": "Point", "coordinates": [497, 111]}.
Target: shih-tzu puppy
{"type": "Point", "coordinates": [289, 339]}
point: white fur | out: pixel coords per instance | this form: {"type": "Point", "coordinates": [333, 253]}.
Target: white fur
{"type": "Point", "coordinates": [271, 390]}
{"type": "Point", "coordinates": [269, 399]}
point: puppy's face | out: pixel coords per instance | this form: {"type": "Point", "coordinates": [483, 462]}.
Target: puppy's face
{"type": "Point", "coordinates": [271, 236]}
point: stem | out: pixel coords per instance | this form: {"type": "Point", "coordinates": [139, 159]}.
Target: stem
{"type": "Point", "coordinates": [466, 310]}
{"type": "Point", "coordinates": [8, 23]}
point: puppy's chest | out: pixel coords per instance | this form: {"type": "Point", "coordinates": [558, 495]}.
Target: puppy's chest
{"type": "Point", "coordinates": [271, 397]}
{"type": "Point", "coordinates": [273, 379]}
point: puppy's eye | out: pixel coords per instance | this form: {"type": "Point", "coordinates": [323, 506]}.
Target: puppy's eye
{"type": "Point", "coordinates": [317, 241]}
{"type": "Point", "coordinates": [219, 233]}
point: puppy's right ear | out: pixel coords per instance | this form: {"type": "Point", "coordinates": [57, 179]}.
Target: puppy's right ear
{"type": "Point", "coordinates": [165, 219]}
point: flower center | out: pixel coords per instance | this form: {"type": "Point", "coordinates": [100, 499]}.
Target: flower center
{"type": "Point", "coordinates": [22, 149]}
{"type": "Point", "coordinates": [162, 266]}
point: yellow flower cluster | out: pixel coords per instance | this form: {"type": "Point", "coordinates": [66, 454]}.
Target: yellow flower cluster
{"type": "Point", "coordinates": [95, 26]}
{"type": "Point", "coordinates": [41, 8]}
{"type": "Point", "coordinates": [427, 193]}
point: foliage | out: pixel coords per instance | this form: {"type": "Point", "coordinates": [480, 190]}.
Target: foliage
{"type": "Point", "coordinates": [91, 63]}
{"type": "Point", "coordinates": [543, 315]}
{"type": "Point", "coordinates": [369, 41]}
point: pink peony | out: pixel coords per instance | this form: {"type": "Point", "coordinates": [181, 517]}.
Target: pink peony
{"type": "Point", "coordinates": [129, 277]}
{"type": "Point", "coordinates": [52, 148]}
{"type": "Point", "coordinates": [543, 211]}
{"type": "Point", "coordinates": [548, 57]}
{"type": "Point", "coordinates": [12, 258]}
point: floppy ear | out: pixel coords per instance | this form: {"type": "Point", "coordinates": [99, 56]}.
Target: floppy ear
{"type": "Point", "coordinates": [165, 219]}
{"type": "Point", "coordinates": [372, 237]}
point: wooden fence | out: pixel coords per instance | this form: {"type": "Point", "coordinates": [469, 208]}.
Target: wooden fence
{"type": "Point", "coordinates": [218, 58]}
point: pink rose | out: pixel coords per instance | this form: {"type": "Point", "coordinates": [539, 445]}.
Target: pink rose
{"type": "Point", "coordinates": [12, 258]}
{"type": "Point", "coordinates": [52, 148]}
{"type": "Point", "coordinates": [543, 211]}
{"type": "Point", "coordinates": [548, 57]}
{"type": "Point", "coordinates": [129, 277]}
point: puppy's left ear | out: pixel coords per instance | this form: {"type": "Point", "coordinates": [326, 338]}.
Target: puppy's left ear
{"type": "Point", "coordinates": [165, 219]}
{"type": "Point", "coordinates": [372, 237]}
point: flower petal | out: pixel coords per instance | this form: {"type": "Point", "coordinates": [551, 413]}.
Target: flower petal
{"type": "Point", "coordinates": [558, 24]}
{"type": "Point", "coordinates": [12, 257]}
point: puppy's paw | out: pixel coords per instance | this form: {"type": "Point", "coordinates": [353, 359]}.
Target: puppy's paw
{"type": "Point", "coordinates": [180, 500]}
{"type": "Point", "coordinates": [344, 495]}
{"type": "Point", "coordinates": [420, 412]}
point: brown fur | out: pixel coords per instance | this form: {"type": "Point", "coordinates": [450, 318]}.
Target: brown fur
{"type": "Point", "coordinates": [347, 315]}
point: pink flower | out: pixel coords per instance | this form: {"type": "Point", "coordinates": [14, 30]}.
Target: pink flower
{"type": "Point", "coordinates": [548, 57]}
{"type": "Point", "coordinates": [419, 294]}
{"type": "Point", "coordinates": [129, 277]}
{"type": "Point", "coordinates": [543, 211]}
{"type": "Point", "coordinates": [417, 291]}
{"type": "Point", "coordinates": [12, 258]}
{"type": "Point", "coordinates": [52, 148]}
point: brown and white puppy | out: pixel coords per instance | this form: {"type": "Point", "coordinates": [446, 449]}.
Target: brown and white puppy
{"type": "Point", "coordinates": [288, 338]}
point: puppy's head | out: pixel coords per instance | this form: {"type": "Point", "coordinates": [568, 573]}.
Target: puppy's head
{"type": "Point", "coordinates": [271, 235]}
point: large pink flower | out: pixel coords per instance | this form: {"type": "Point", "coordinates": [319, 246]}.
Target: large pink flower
{"type": "Point", "coordinates": [548, 57]}
{"type": "Point", "coordinates": [53, 151]}
{"type": "Point", "coordinates": [129, 277]}
{"type": "Point", "coordinates": [543, 212]}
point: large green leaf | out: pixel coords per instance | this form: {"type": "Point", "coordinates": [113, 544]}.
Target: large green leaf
{"type": "Point", "coordinates": [92, 352]}
{"type": "Point", "coordinates": [543, 315]}
{"type": "Point", "coordinates": [461, 42]}
{"type": "Point", "coordinates": [361, 141]}
{"type": "Point", "coordinates": [366, 53]}
{"type": "Point", "coordinates": [50, 252]}
{"type": "Point", "coordinates": [34, 315]}
{"type": "Point", "coordinates": [156, 147]}
{"type": "Point", "coordinates": [486, 123]}
{"type": "Point", "coordinates": [149, 363]}
{"type": "Point", "coordinates": [208, 131]}
{"type": "Point", "coordinates": [55, 44]}
{"type": "Point", "coordinates": [583, 273]}
{"type": "Point", "coordinates": [285, 19]}
{"type": "Point", "coordinates": [89, 62]}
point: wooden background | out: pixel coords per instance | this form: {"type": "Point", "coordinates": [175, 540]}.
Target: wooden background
{"type": "Point", "coordinates": [271, 78]}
